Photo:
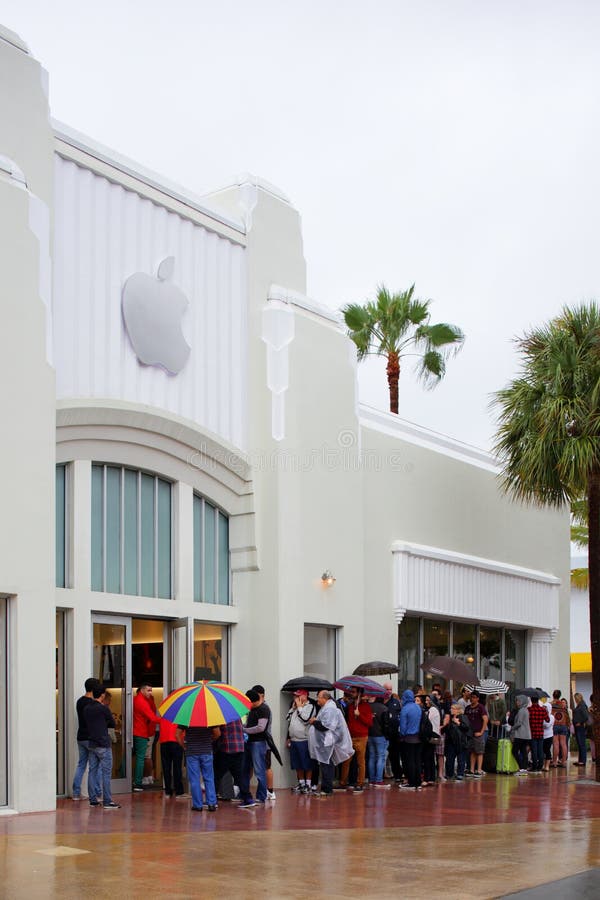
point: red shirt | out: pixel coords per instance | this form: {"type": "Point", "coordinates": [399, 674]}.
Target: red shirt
{"type": "Point", "coordinates": [537, 716]}
{"type": "Point", "coordinates": [167, 731]}
{"type": "Point", "coordinates": [144, 717]}
{"type": "Point", "coordinates": [359, 725]}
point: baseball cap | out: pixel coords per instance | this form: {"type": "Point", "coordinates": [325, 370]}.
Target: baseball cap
{"type": "Point", "coordinates": [300, 693]}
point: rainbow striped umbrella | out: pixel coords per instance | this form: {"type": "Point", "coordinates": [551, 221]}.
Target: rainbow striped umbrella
{"type": "Point", "coordinates": [204, 704]}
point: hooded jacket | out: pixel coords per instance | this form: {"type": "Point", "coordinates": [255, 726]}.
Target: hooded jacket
{"type": "Point", "coordinates": [410, 715]}
{"type": "Point", "coordinates": [521, 730]}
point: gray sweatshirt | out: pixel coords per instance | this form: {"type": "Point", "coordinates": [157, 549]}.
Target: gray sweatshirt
{"type": "Point", "coordinates": [521, 730]}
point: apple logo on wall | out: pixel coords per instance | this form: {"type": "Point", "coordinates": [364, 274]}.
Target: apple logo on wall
{"type": "Point", "coordinates": [152, 312]}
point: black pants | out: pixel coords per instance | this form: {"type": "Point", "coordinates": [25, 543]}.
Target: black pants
{"type": "Point", "coordinates": [394, 755]}
{"type": "Point", "coordinates": [412, 763]}
{"type": "Point", "coordinates": [233, 763]}
{"type": "Point", "coordinates": [429, 761]}
{"type": "Point", "coordinates": [171, 757]}
{"type": "Point", "coordinates": [327, 772]}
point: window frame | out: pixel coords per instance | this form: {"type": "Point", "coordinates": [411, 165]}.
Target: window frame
{"type": "Point", "coordinates": [139, 473]}
{"type": "Point", "coordinates": [199, 580]}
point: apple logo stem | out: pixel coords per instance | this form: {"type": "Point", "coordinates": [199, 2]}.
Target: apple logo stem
{"type": "Point", "coordinates": [152, 312]}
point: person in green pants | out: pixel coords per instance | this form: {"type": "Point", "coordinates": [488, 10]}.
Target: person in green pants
{"type": "Point", "coordinates": [145, 720]}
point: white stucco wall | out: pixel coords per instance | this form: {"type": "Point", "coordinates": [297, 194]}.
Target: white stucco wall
{"type": "Point", "coordinates": [27, 416]}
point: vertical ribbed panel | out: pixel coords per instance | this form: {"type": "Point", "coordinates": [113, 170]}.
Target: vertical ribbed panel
{"type": "Point", "coordinates": [104, 233]}
{"type": "Point", "coordinates": [450, 589]}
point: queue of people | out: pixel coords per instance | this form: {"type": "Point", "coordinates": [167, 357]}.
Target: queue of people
{"type": "Point", "coordinates": [425, 739]}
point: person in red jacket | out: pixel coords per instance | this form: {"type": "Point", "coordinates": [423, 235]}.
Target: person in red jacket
{"type": "Point", "coordinates": [359, 717]}
{"type": "Point", "coordinates": [145, 721]}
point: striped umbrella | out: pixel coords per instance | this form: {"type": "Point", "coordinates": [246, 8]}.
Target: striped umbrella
{"type": "Point", "coordinates": [204, 704]}
{"type": "Point", "coordinates": [489, 686]}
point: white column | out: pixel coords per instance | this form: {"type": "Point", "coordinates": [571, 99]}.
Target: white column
{"type": "Point", "coordinates": [538, 663]}
{"type": "Point", "coordinates": [80, 525]}
{"type": "Point", "coordinates": [183, 538]}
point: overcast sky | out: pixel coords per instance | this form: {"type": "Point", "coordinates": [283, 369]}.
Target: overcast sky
{"type": "Point", "coordinates": [450, 144]}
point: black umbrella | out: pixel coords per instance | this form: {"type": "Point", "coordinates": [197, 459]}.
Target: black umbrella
{"type": "Point", "coordinates": [376, 667]}
{"type": "Point", "coordinates": [451, 669]}
{"type": "Point", "coordinates": [273, 748]}
{"type": "Point", "coordinates": [307, 683]}
{"type": "Point", "coordinates": [372, 688]}
{"type": "Point", "coordinates": [529, 692]}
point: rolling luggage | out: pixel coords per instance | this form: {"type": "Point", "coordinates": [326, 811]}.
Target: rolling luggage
{"type": "Point", "coordinates": [506, 764]}
{"type": "Point", "coordinates": [490, 757]}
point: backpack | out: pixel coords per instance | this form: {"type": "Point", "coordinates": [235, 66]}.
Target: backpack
{"type": "Point", "coordinates": [392, 719]}
{"type": "Point", "coordinates": [425, 729]}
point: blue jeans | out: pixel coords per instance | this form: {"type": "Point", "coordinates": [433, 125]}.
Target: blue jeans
{"type": "Point", "coordinates": [100, 773]}
{"type": "Point", "coordinates": [201, 763]}
{"type": "Point", "coordinates": [377, 747]}
{"type": "Point", "coordinates": [256, 752]}
{"type": "Point", "coordinates": [84, 753]}
{"type": "Point", "coordinates": [537, 754]}
{"type": "Point", "coordinates": [581, 743]}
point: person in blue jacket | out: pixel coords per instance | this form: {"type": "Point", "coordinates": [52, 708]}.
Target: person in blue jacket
{"type": "Point", "coordinates": [410, 723]}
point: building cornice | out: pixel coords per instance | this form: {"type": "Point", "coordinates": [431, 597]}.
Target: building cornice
{"type": "Point", "coordinates": [392, 425]}
{"type": "Point", "coordinates": [83, 150]}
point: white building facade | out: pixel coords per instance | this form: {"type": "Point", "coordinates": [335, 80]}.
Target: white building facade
{"type": "Point", "coordinates": [171, 525]}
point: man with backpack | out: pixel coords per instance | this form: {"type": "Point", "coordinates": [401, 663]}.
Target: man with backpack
{"type": "Point", "coordinates": [377, 743]}
{"type": "Point", "coordinates": [410, 727]}
{"type": "Point", "coordinates": [393, 706]}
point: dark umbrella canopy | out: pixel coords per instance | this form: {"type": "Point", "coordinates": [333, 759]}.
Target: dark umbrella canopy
{"type": "Point", "coordinates": [369, 687]}
{"type": "Point", "coordinates": [307, 683]}
{"type": "Point", "coordinates": [529, 692]}
{"type": "Point", "coordinates": [376, 667]}
{"type": "Point", "coordinates": [451, 669]}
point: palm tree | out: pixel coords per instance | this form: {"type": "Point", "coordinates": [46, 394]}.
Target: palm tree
{"type": "Point", "coordinates": [579, 536]}
{"type": "Point", "coordinates": [392, 324]}
{"type": "Point", "coordinates": [548, 436]}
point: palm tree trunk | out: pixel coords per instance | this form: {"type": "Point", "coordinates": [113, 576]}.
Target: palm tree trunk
{"type": "Point", "coordinates": [393, 376]}
{"type": "Point", "coordinates": [594, 595]}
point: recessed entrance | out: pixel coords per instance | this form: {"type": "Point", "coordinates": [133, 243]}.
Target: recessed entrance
{"type": "Point", "coordinates": [128, 652]}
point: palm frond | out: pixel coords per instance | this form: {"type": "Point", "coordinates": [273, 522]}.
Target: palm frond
{"type": "Point", "coordinates": [580, 579]}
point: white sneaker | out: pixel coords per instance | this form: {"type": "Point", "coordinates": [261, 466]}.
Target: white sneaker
{"type": "Point", "coordinates": [271, 795]}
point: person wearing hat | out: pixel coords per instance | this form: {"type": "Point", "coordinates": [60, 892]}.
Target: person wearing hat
{"type": "Point", "coordinates": [299, 715]}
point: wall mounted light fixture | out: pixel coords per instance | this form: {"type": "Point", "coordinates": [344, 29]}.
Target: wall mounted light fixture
{"type": "Point", "coordinates": [327, 578]}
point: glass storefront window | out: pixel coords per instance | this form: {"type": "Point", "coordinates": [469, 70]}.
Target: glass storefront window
{"type": "Point", "coordinates": [514, 659]}
{"type": "Point", "coordinates": [501, 651]}
{"type": "Point", "coordinates": [436, 642]}
{"type": "Point", "coordinates": [131, 532]}
{"type": "Point", "coordinates": [408, 653]}
{"type": "Point", "coordinates": [210, 652]}
{"type": "Point", "coordinates": [320, 651]}
{"type": "Point", "coordinates": [490, 652]}
{"type": "Point", "coordinates": [464, 643]}
{"type": "Point", "coordinates": [211, 554]}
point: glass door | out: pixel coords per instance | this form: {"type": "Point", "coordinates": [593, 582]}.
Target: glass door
{"type": "Point", "coordinates": [180, 653]}
{"type": "Point", "coordinates": [3, 704]}
{"type": "Point", "coordinates": [112, 666]}
{"type": "Point", "coordinates": [60, 702]}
